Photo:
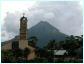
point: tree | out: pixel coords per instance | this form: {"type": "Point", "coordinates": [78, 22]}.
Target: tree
{"type": "Point", "coordinates": [72, 43]}
{"type": "Point", "coordinates": [51, 45]}
{"type": "Point", "coordinates": [32, 41]}
{"type": "Point", "coordinates": [6, 56]}
{"type": "Point", "coordinates": [17, 52]}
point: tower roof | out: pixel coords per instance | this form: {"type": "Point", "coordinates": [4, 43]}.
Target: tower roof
{"type": "Point", "coordinates": [23, 18]}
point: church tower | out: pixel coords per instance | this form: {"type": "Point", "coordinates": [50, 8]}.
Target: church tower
{"type": "Point", "coordinates": [23, 42]}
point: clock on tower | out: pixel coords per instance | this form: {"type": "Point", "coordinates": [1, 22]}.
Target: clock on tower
{"type": "Point", "coordinates": [23, 42]}
{"type": "Point", "coordinates": [23, 28]}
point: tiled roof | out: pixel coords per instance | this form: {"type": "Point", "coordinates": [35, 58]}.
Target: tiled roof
{"type": "Point", "coordinates": [59, 52]}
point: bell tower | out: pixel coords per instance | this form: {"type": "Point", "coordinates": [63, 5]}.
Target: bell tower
{"type": "Point", "coordinates": [23, 42]}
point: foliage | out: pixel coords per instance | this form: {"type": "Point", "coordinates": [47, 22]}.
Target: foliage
{"type": "Point", "coordinates": [73, 44]}
{"type": "Point", "coordinates": [32, 41]}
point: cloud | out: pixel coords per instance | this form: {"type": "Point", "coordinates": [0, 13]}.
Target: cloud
{"type": "Point", "coordinates": [64, 15]}
{"type": "Point", "coordinates": [67, 16]}
{"type": "Point", "coordinates": [11, 23]}
{"type": "Point", "coordinates": [6, 36]}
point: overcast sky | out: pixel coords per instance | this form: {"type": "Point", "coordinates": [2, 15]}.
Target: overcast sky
{"type": "Point", "coordinates": [64, 15]}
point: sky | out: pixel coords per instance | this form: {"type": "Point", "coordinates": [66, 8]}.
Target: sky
{"type": "Point", "coordinates": [64, 15]}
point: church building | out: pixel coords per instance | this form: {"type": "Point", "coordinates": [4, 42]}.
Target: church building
{"type": "Point", "coordinates": [22, 42]}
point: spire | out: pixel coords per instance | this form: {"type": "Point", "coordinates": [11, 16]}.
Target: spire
{"type": "Point", "coordinates": [23, 14]}
{"type": "Point", "coordinates": [23, 17]}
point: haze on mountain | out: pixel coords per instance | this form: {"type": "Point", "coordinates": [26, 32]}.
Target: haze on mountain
{"type": "Point", "coordinates": [44, 33]}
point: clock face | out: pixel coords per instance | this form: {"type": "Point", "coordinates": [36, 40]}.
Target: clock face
{"type": "Point", "coordinates": [24, 19]}
{"type": "Point", "coordinates": [23, 22]}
